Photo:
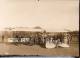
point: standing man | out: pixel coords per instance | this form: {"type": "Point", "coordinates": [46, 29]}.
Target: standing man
{"type": "Point", "coordinates": [2, 38]}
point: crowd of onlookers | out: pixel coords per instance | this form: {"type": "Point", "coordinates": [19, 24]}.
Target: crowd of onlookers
{"type": "Point", "coordinates": [40, 38]}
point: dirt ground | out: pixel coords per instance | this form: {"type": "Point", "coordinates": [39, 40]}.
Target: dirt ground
{"type": "Point", "coordinates": [10, 49]}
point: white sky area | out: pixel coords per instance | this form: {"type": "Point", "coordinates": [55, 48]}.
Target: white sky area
{"type": "Point", "coordinates": [52, 15]}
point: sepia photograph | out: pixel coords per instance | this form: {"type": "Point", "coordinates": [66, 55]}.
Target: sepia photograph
{"type": "Point", "coordinates": [39, 27]}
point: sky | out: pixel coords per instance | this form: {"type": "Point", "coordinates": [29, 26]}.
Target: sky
{"type": "Point", "coordinates": [52, 15]}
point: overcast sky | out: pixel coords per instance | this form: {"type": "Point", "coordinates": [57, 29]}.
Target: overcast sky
{"type": "Point", "coordinates": [52, 15]}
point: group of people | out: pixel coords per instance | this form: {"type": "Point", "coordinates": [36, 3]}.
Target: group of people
{"type": "Point", "coordinates": [44, 39]}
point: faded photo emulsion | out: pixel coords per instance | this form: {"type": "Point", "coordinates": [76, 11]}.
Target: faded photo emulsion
{"type": "Point", "coordinates": [39, 27]}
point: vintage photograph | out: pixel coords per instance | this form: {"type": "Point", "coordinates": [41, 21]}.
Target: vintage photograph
{"type": "Point", "coordinates": [39, 27]}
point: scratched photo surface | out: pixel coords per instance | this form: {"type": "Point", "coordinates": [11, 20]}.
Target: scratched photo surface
{"type": "Point", "coordinates": [38, 57]}
{"type": "Point", "coordinates": [39, 27]}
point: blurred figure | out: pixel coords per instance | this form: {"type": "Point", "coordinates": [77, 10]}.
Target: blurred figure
{"type": "Point", "coordinates": [65, 41]}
